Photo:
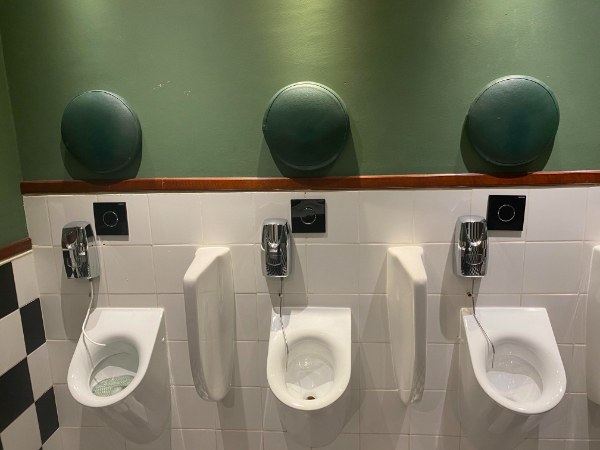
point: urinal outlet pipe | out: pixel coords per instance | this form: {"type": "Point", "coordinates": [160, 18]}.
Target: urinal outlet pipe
{"type": "Point", "coordinates": [287, 348]}
{"type": "Point", "coordinates": [87, 316]}
{"type": "Point", "coordinates": [472, 295]}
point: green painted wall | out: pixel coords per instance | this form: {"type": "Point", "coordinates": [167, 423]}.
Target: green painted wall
{"type": "Point", "coordinates": [12, 216]}
{"type": "Point", "coordinates": [200, 73]}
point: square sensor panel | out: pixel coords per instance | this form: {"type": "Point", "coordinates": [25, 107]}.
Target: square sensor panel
{"type": "Point", "coordinates": [308, 215]}
{"type": "Point", "coordinates": [506, 212]}
{"type": "Point", "coordinates": [111, 219]}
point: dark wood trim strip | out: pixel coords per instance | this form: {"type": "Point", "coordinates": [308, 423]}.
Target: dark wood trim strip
{"type": "Point", "coordinates": [14, 248]}
{"type": "Point", "coordinates": [325, 183]}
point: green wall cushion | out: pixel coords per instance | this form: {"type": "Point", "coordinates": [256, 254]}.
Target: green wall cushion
{"type": "Point", "coordinates": [306, 126]}
{"type": "Point", "coordinates": [513, 120]}
{"type": "Point", "coordinates": [101, 131]}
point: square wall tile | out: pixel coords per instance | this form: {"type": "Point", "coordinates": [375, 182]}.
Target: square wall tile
{"type": "Point", "coordinates": [505, 270]}
{"type": "Point", "coordinates": [8, 290]}
{"type": "Point", "coordinates": [583, 417]}
{"type": "Point", "coordinates": [277, 440]}
{"type": "Point", "coordinates": [193, 440]}
{"type": "Point", "coordinates": [63, 209]}
{"type": "Point", "coordinates": [270, 415]}
{"type": "Point", "coordinates": [46, 414]}
{"type": "Point", "coordinates": [176, 218]}
{"type": "Point", "coordinates": [174, 306]}
{"type": "Point", "coordinates": [332, 269]}
{"type": "Point", "coordinates": [385, 442]}
{"type": "Point", "coordinates": [239, 440]}
{"type": "Point", "coordinates": [23, 433]}
{"type": "Point", "coordinates": [273, 205]}
{"type": "Point", "coordinates": [341, 212]}
{"type": "Point", "coordinates": [586, 265]}
{"type": "Point", "coordinates": [33, 325]}
{"type": "Point", "coordinates": [479, 203]}
{"type": "Point", "coordinates": [386, 216]}
{"type": "Point", "coordinates": [12, 349]}
{"type": "Point", "coordinates": [171, 262]}
{"type": "Point", "coordinates": [38, 223]}
{"type": "Point", "coordinates": [138, 220]}
{"type": "Point", "coordinates": [129, 270]}
{"type": "Point", "coordinates": [442, 367]}
{"type": "Point", "coordinates": [179, 364]}
{"type": "Point", "coordinates": [436, 212]}
{"type": "Point", "coordinates": [592, 218]}
{"type": "Point", "coordinates": [556, 214]}
{"type": "Point", "coordinates": [372, 265]}
{"type": "Point", "coordinates": [26, 281]}
{"type": "Point", "coordinates": [244, 272]}
{"type": "Point", "coordinates": [382, 412]}
{"type": "Point", "coordinates": [377, 371]}
{"type": "Point", "coordinates": [552, 267]}
{"type": "Point", "coordinates": [505, 300]}
{"type": "Point", "coordinates": [45, 268]}
{"type": "Point", "coordinates": [15, 394]}
{"type": "Point", "coordinates": [238, 410]}
{"type": "Point", "coordinates": [39, 371]}
{"type": "Point", "coordinates": [373, 319]}
{"type": "Point", "coordinates": [132, 300]}
{"type": "Point", "coordinates": [92, 438]}
{"type": "Point", "coordinates": [436, 414]}
{"type": "Point", "coordinates": [60, 353]}
{"type": "Point", "coordinates": [54, 442]}
{"type": "Point", "coordinates": [246, 318]}
{"type": "Point", "coordinates": [228, 218]}
{"type": "Point", "coordinates": [434, 442]}
{"type": "Point", "coordinates": [247, 368]}
{"type": "Point", "coordinates": [188, 410]}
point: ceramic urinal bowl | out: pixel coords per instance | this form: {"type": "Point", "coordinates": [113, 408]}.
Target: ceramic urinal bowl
{"type": "Point", "coordinates": [502, 405]}
{"type": "Point", "coordinates": [126, 382]}
{"type": "Point", "coordinates": [312, 391]}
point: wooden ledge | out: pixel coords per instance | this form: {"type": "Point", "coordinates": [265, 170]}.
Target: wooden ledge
{"type": "Point", "coordinates": [14, 248]}
{"type": "Point", "coordinates": [361, 182]}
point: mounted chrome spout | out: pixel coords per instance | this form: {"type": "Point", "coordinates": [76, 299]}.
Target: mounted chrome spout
{"type": "Point", "coordinates": [80, 255]}
{"type": "Point", "coordinates": [470, 247]}
{"type": "Point", "coordinates": [277, 248]}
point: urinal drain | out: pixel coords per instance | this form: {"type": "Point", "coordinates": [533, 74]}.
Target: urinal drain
{"type": "Point", "coordinates": [111, 386]}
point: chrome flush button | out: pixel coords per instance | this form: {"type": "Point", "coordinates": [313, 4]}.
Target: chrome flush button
{"type": "Point", "coordinates": [308, 216]}
{"type": "Point", "coordinates": [506, 213]}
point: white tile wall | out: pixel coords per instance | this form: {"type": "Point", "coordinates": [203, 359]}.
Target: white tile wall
{"type": "Point", "coordinates": [545, 265]}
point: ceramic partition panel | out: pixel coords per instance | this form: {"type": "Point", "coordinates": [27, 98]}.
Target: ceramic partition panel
{"type": "Point", "coordinates": [544, 265]}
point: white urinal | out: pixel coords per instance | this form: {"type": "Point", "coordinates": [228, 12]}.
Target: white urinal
{"type": "Point", "coordinates": [126, 382]}
{"type": "Point", "coordinates": [501, 405]}
{"type": "Point", "coordinates": [210, 319]}
{"type": "Point", "coordinates": [407, 319]}
{"type": "Point", "coordinates": [312, 391]}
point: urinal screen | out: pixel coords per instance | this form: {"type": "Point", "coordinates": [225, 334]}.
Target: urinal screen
{"type": "Point", "coordinates": [111, 386]}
